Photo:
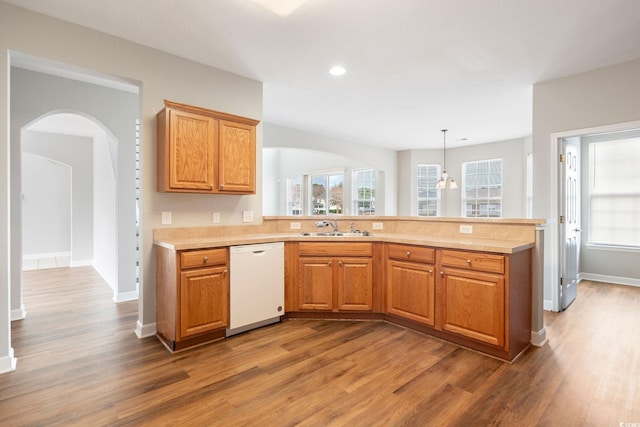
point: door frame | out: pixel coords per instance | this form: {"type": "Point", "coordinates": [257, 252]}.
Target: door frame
{"type": "Point", "coordinates": [552, 256]}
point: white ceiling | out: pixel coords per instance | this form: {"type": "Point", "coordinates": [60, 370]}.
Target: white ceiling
{"type": "Point", "coordinates": [414, 67]}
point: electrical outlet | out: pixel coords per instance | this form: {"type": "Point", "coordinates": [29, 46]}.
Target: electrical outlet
{"type": "Point", "coordinates": [166, 217]}
{"type": "Point", "coordinates": [466, 229]}
{"type": "Point", "coordinates": [247, 216]}
{"type": "Point", "coordinates": [294, 225]}
{"type": "Point", "coordinates": [216, 217]}
{"type": "Point", "coordinates": [377, 226]}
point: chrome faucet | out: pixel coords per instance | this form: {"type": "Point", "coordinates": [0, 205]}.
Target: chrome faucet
{"type": "Point", "coordinates": [333, 224]}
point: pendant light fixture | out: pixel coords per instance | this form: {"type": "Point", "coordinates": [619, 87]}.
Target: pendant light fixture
{"type": "Point", "coordinates": [445, 180]}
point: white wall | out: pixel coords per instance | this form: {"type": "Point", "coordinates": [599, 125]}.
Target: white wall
{"type": "Point", "coordinates": [160, 76]}
{"type": "Point", "coordinates": [77, 152]}
{"type": "Point", "coordinates": [512, 153]}
{"type": "Point", "coordinates": [606, 96]}
{"type": "Point", "coordinates": [381, 159]}
{"type": "Point", "coordinates": [46, 206]}
{"type": "Point", "coordinates": [105, 212]}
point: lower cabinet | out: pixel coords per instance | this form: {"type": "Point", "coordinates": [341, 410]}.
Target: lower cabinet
{"type": "Point", "coordinates": [204, 300]}
{"type": "Point", "coordinates": [192, 296]}
{"type": "Point", "coordinates": [411, 283]}
{"type": "Point", "coordinates": [473, 305]}
{"type": "Point", "coordinates": [340, 282]}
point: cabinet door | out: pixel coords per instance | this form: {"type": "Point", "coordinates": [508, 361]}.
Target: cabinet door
{"type": "Point", "coordinates": [355, 284]}
{"type": "Point", "coordinates": [411, 291]}
{"type": "Point", "coordinates": [473, 305]}
{"type": "Point", "coordinates": [204, 300]}
{"type": "Point", "coordinates": [237, 158]}
{"type": "Point", "coordinates": [315, 284]}
{"type": "Point", "coordinates": [192, 145]}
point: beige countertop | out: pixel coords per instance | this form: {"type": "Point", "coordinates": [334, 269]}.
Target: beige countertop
{"type": "Point", "coordinates": [484, 245]}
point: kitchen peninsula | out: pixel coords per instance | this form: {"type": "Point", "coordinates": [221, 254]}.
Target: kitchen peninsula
{"type": "Point", "coordinates": [468, 281]}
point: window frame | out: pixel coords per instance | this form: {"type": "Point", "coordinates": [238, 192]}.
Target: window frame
{"type": "Point", "coordinates": [355, 187]}
{"type": "Point", "coordinates": [489, 200]}
{"type": "Point", "coordinates": [438, 197]}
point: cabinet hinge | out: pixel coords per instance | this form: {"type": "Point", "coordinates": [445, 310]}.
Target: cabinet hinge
{"type": "Point", "coordinates": [561, 158]}
{"type": "Point", "coordinates": [562, 280]}
{"type": "Point", "coordinates": [561, 219]}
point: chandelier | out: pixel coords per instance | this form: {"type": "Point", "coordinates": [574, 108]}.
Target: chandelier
{"type": "Point", "coordinates": [445, 180]}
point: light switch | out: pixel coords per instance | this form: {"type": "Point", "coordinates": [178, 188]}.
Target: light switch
{"type": "Point", "coordinates": [216, 217]}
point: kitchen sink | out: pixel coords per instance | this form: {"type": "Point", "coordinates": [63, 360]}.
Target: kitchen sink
{"type": "Point", "coordinates": [337, 234]}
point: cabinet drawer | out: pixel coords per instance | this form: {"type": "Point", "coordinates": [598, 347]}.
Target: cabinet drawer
{"type": "Point", "coordinates": [335, 249]}
{"type": "Point", "coordinates": [411, 253]}
{"type": "Point", "coordinates": [203, 258]}
{"type": "Point", "coordinates": [473, 261]}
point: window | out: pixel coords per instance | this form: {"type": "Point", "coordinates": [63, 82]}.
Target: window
{"type": "Point", "coordinates": [364, 192]}
{"type": "Point", "coordinates": [482, 188]}
{"type": "Point", "coordinates": [294, 196]}
{"type": "Point", "coordinates": [428, 195]}
{"type": "Point", "coordinates": [327, 194]}
{"type": "Point", "coordinates": [614, 193]}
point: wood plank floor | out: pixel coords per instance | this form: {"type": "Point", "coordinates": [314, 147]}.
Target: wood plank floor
{"type": "Point", "coordinates": [79, 363]}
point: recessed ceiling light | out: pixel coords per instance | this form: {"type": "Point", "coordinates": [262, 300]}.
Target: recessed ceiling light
{"type": "Point", "coordinates": [280, 7]}
{"type": "Point", "coordinates": [337, 70]}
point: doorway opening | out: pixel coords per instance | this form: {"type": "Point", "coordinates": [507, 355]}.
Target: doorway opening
{"type": "Point", "coordinates": [584, 219]}
{"type": "Point", "coordinates": [89, 122]}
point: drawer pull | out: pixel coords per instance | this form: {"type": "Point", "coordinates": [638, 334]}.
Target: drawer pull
{"type": "Point", "coordinates": [468, 261]}
{"type": "Point", "coordinates": [408, 254]}
{"type": "Point", "coordinates": [205, 259]}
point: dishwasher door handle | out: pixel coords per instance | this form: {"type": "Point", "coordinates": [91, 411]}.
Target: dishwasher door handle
{"type": "Point", "coordinates": [259, 252]}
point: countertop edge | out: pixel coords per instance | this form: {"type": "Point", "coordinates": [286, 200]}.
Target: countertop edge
{"type": "Point", "coordinates": [483, 245]}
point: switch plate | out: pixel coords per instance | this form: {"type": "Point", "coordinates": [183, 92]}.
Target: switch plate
{"type": "Point", "coordinates": [466, 229]}
{"type": "Point", "coordinates": [216, 217]}
{"type": "Point", "coordinates": [294, 225]}
{"type": "Point", "coordinates": [166, 217]}
{"type": "Point", "coordinates": [247, 216]}
{"type": "Point", "coordinates": [377, 226]}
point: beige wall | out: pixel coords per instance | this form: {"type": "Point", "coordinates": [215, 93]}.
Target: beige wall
{"type": "Point", "coordinates": [160, 76]}
{"type": "Point", "coordinates": [602, 97]}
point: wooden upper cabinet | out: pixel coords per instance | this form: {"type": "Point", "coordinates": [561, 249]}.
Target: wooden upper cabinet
{"type": "Point", "coordinates": [205, 151]}
{"type": "Point", "coordinates": [237, 158]}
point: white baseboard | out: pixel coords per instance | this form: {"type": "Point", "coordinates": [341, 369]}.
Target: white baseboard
{"type": "Point", "coordinates": [8, 363]}
{"type": "Point", "coordinates": [81, 263]}
{"type": "Point", "coordinates": [629, 281]}
{"type": "Point", "coordinates": [47, 255]}
{"type": "Point", "coordinates": [104, 276]}
{"type": "Point", "coordinates": [539, 338]}
{"type": "Point", "coordinates": [18, 313]}
{"type": "Point", "coordinates": [125, 296]}
{"type": "Point", "coordinates": [547, 305]}
{"type": "Point", "coordinates": [143, 331]}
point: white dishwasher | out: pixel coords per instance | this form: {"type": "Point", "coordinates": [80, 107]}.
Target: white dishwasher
{"type": "Point", "coordinates": [257, 286]}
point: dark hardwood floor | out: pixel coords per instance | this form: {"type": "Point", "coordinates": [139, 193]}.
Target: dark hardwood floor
{"type": "Point", "coordinates": [80, 363]}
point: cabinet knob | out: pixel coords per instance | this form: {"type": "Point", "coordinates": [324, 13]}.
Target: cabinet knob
{"type": "Point", "coordinates": [222, 186]}
{"type": "Point", "coordinates": [408, 254]}
{"type": "Point", "coordinates": [330, 263]}
{"type": "Point", "coordinates": [468, 261]}
{"type": "Point", "coordinates": [225, 271]}
{"type": "Point", "coordinates": [205, 259]}
{"type": "Point", "coordinates": [340, 263]}
{"type": "Point", "coordinates": [442, 273]}
{"type": "Point", "coordinates": [430, 271]}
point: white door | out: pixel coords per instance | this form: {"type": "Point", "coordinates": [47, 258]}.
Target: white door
{"type": "Point", "coordinates": [569, 219]}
